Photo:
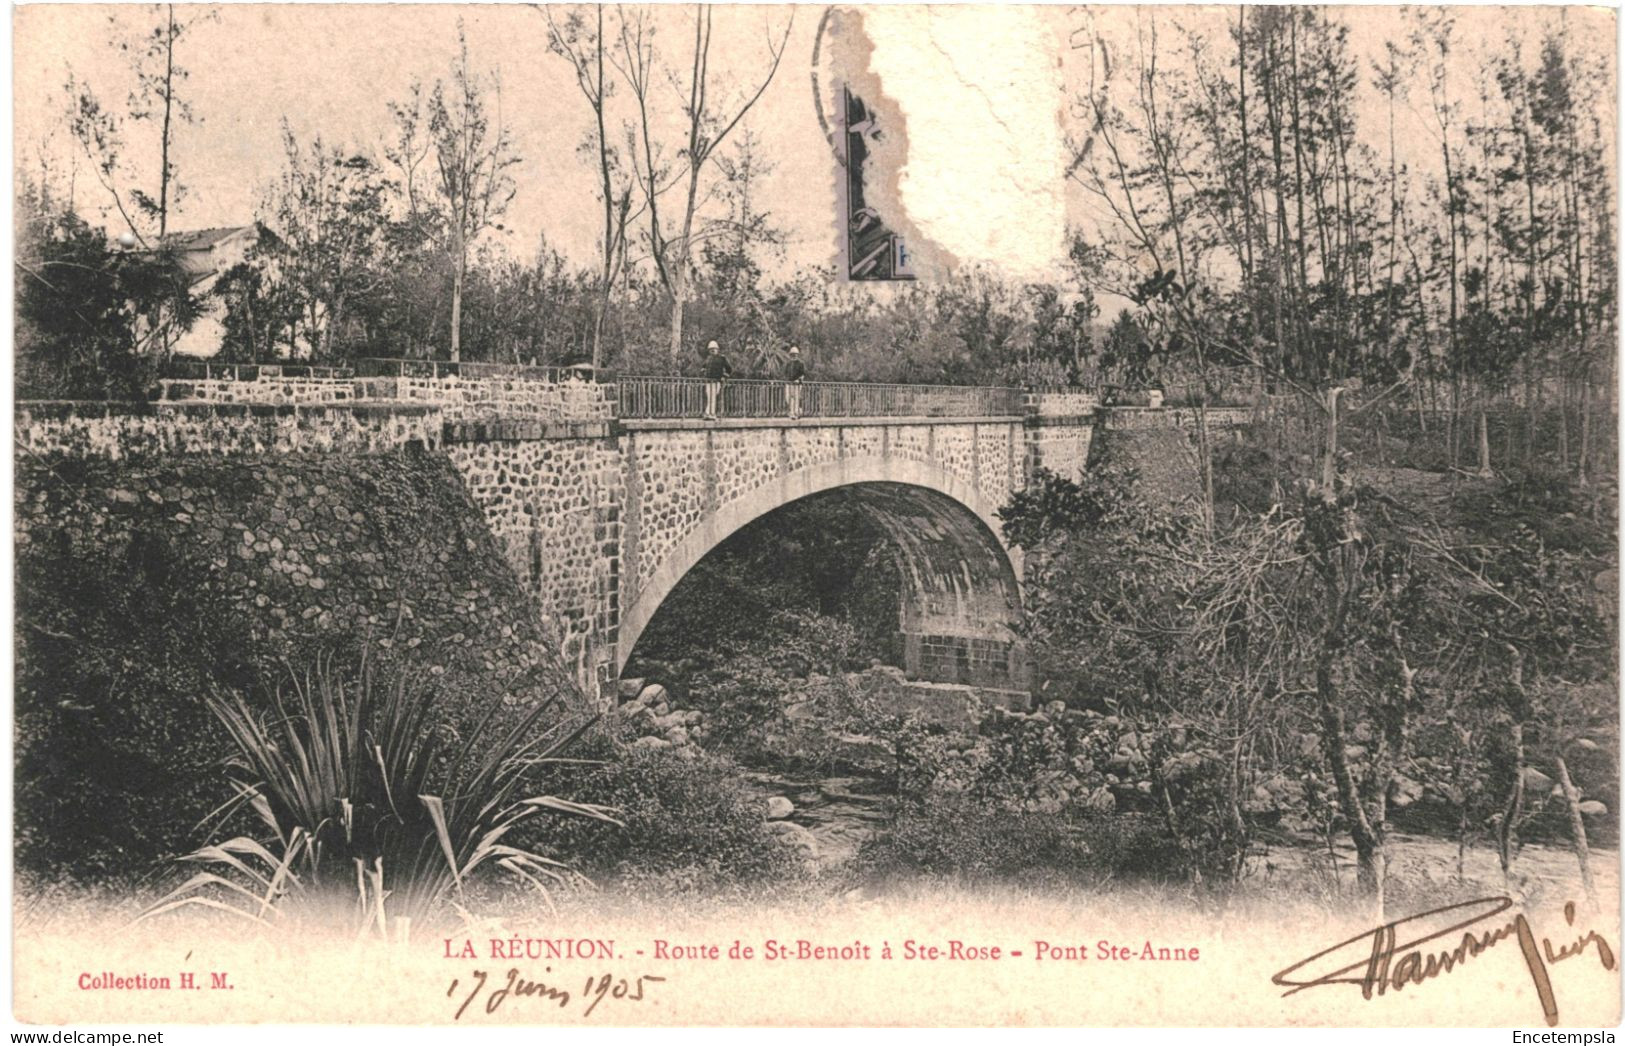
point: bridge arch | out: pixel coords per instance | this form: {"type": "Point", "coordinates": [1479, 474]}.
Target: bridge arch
{"type": "Point", "coordinates": [962, 596]}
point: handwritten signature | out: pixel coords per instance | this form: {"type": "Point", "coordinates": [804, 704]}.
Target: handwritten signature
{"type": "Point", "coordinates": [1394, 957]}
{"type": "Point", "coordinates": [598, 987]}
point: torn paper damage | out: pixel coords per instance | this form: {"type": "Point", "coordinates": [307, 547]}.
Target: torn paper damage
{"type": "Point", "coordinates": [945, 152]}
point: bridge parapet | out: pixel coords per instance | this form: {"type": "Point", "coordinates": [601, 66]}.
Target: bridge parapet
{"type": "Point", "coordinates": [669, 397]}
{"type": "Point", "coordinates": [102, 429]}
{"type": "Point", "coordinates": [462, 392]}
{"type": "Point", "coordinates": [488, 392]}
{"type": "Point", "coordinates": [1059, 402]}
{"type": "Point", "coordinates": [1125, 418]}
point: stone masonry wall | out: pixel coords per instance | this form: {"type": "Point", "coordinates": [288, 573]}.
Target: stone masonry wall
{"type": "Point", "coordinates": [668, 494]}
{"type": "Point", "coordinates": [1059, 403]}
{"type": "Point", "coordinates": [464, 398]}
{"type": "Point", "coordinates": [121, 430]}
{"type": "Point", "coordinates": [504, 393]}
{"type": "Point", "coordinates": [261, 388]}
{"type": "Point", "coordinates": [1114, 419]}
{"type": "Point", "coordinates": [582, 511]}
{"type": "Point", "coordinates": [1062, 447]}
{"type": "Point", "coordinates": [678, 476]}
{"type": "Point", "coordinates": [1059, 428]}
{"type": "Point", "coordinates": [1161, 445]}
{"type": "Point", "coordinates": [312, 549]}
{"type": "Point", "coordinates": [554, 508]}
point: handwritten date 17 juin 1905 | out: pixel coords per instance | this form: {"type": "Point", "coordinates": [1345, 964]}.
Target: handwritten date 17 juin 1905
{"type": "Point", "coordinates": [1392, 956]}
{"type": "Point", "coordinates": [512, 985]}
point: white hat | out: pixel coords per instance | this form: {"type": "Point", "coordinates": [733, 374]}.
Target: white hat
{"type": "Point", "coordinates": [713, 345]}
{"type": "Point", "coordinates": [794, 351]}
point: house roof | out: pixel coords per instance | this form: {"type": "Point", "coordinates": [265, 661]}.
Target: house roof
{"type": "Point", "coordinates": [204, 239]}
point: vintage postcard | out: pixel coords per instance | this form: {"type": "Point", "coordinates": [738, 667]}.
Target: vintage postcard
{"type": "Point", "coordinates": [789, 515]}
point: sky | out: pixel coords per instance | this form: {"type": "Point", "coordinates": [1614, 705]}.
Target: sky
{"type": "Point", "coordinates": [984, 92]}
{"type": "Point", "coordinates": [331, 70]}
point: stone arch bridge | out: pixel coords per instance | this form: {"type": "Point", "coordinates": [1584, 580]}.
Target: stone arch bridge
{"type": "Point", "coordinates": [659, 488]}
{"type": "Point", "coordinates": [602, 496]}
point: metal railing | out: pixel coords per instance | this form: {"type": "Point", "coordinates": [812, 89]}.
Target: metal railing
{"type": "Point", "coordinates": [663, 397]}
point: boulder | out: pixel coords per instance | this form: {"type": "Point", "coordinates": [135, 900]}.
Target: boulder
{"type": "Point", "coordinates": [1101, 800]}
{"type": "Point", "coordinates": [778, 808]}
{"type": "Point", "coordinates": [864, 750]}
{"type": "Point", "coordinates": [1592, 808]}
{"type": "Point", "coordinates": [1406, 791]}
{"type": "Point", "coordinates": [651, 742]}
{"type": "Point", "coordinates": [796, 837]}
{"type": "Point", "coordinates": [677, 735]}
{"type": "Point", "coordinates": [629, 688]}
{"type": "Point", "coordinates": [1536, 782]}
{"type": "Point", "coordinates": [653, 694]}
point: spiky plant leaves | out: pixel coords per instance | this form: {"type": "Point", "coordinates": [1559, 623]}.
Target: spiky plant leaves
{"type": "Point", "coordinates": [326, 763]}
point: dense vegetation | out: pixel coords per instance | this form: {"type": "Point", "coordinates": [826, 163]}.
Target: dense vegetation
{"type": "Point", "coordinates": [1391, 649]}
{"type": "Point", "coordinates": [1390, 605]}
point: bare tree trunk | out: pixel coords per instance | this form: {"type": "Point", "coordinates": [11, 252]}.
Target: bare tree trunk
{"type": "Point", "coordinates": [457, 301]}
{"type": "Point", "coordinates": [1483, 442]}
{"type": "Point", "coordinates": [1531, 392]}
{"type": "Point", "coordinates": [1328, 463]}
{"type": "Point", "coordinates": [1563, 424]}
{"type": "Point", "coordinates": [1585, 425]}
{"type": "Point", "coordinates": [169, 97]}
{"type": "Point", "coordinates": [1577, 828]}
{"type": "Point", "coordinates": [678, 292]}
{"type": "Point", "coordinates": [1453, 434]}
{"type": "Point", "coordinates": [1368, 848]}
{"type": "Point", "coordinates": [1516, 700]}
{"type": "Point", "coordinates": [1512, 811]}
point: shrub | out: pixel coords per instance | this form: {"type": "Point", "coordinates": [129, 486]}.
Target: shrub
{"type": "Point", "coordinates": [115, 641]}
{"type": "Point", "coordinates": [683, 817]}
{"type": "Point", "coordinates": [370, 792]}
{"type": "Point", "coordinates": [956, 835]}
{"type": "Point", "coordinates": [1123, 787]}
{"type": "Point", "coordinates": [1131, 846]}
{"type": "Point", "coordinates": [85, 312]}
{"type": "Point", "coordinates": [959, 835]}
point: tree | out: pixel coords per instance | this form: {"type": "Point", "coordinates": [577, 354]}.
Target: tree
{"type": "Point", "coordinates": [731, 252]}
{"type": "Point", "coordinates": [581, 43]}
{"type": "Point", "coordinates": [707, 123]}
{"type": "Point", "coordinates": [474, 154]}
{"type": "Point", "coordinates": [86, 313]}
{"type": "Point", "coordinates": [328, 209]}
{"type": "Point", "coordinates": [157, 99]}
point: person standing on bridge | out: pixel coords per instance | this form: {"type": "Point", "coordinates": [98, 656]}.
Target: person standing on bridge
{"type": "Point", "coordinates": [717, 371]}
{"type": "Point", "coordinates": [794, 371]}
